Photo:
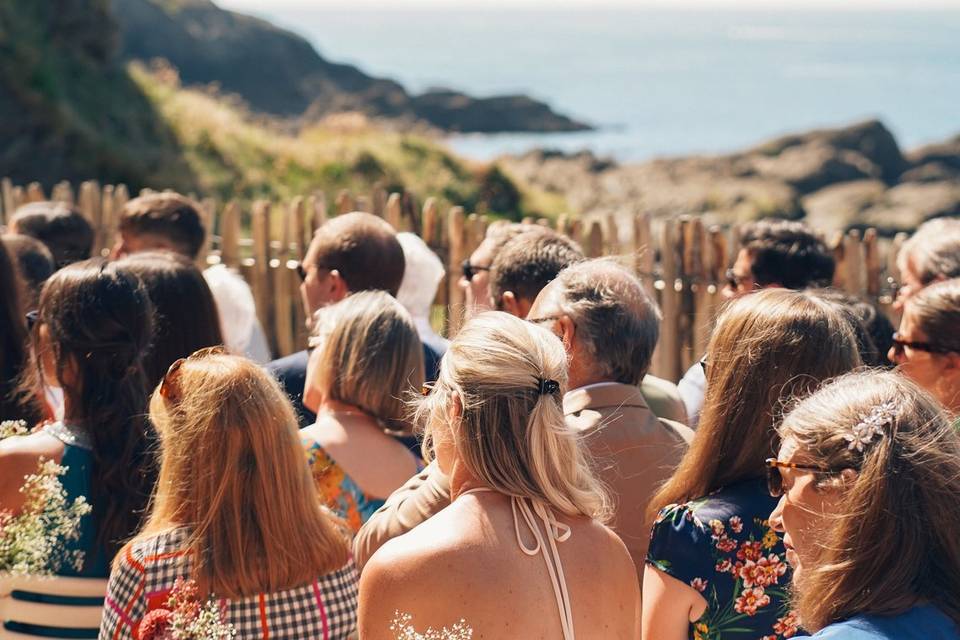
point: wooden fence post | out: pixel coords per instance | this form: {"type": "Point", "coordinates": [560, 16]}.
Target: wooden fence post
{"type": "Point", "coordinates": [35, 192]}
{"type": "Point", "coordinates": [6, 200]}
{"type": "Point", "coordinates": [394, 210]}
{"type": "Point", "coordinates": [456, 235]}
{"type": "Point", "coordinates": [260, 226]}
{"type": "Point", "coordinates": [230, 235]}
{"type": "Point", "coordinates": [669, 347]}
{"type": "Point", "coordinates": [853, 263]}
{"type": "Point", "coordinates": [345, 202]}
{"type": "Point", "coordinates": [594, 247]}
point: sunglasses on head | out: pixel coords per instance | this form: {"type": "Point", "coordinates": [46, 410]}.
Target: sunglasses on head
{"type": "Point", "coordinates": [470, 270]}
{"type": "Point", "coordinates": [775, 477]}
{"type": "Point", "coordinates": [170, 385]}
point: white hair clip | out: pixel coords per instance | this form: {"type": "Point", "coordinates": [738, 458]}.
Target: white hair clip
{"type": "Point", "coordinates": [872, 425]}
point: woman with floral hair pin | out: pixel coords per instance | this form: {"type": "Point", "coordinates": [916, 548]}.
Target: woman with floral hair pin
{"type": "Point", "coordinates": [868, 475]}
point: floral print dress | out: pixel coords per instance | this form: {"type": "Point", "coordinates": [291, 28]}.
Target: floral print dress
{"type": "Point", "coordinates": [722, 546]}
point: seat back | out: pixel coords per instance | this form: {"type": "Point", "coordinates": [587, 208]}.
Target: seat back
{"type": "Point", "coordinates": [50, 607]}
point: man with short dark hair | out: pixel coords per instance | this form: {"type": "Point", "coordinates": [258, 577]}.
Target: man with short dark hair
{"type": "Point", "coordinates": [773, 253]}
{"type": "Point", "coordinates": [779, 253]}
{"type": "Point", "coordinates": [475, 276]}
{"type": "Point", "coordinates": [160, 221]}
{"type": "Point", "coordinates": [58, 225]}
{"type": "Point", "coordinates": [609, 327]}
{"type": "Point", "coordinates": [172, 222]}
{"type": "Point", "coordinates": [525, 265]}
{"type": "Point", "coordinates": [349, 253]}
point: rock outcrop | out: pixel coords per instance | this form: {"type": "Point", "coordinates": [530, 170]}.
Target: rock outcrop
{"type": "Point", "coordinates": [279, 73]}
{"type": "Point", "coordinates": [842, 178]}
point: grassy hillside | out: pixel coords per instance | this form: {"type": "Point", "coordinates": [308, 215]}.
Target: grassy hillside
{"type": "Point", "coordinates": [232, 153]}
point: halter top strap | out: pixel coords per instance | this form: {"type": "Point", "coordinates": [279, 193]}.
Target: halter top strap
{"type": "Point", "coordinates": [545, 544]}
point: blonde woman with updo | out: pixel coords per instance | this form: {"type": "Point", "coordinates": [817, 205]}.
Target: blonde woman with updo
{"type": "Point", "coordinates": [367, 361]}
{"type": "Point", "coordinates": [868, 475]}
{"type": "Point", "coordinates": [521, 551]}
{"type": "Point", "coordinates": [927, 346]}
{"type": "Point", "coordinates": [236, 511]}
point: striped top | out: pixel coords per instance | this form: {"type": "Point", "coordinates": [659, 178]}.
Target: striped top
{"type": "Point", "coordinates": [325, 609]}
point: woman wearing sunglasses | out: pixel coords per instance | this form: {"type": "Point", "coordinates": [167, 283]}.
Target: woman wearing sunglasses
{"type": "Point", "coordinates": [89, 337]}
{"type": "Point", "coordinates": [236, 511]}
{"type": "Point", "coordinates": [927, 346]}
{"type": "Point", "coordinates": [868, 475]}
{"type": "Point", "coordinates": [715, 569]}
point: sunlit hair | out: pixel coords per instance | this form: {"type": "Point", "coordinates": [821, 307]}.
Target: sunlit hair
{"type": "Point", "coordinates": [767, 348]}
{"type": "Point", "coordinates": [232, 471]}
{"type": "Point", "coordinates": [372, 356]}
{"type": "Point", "coordinates": [891, 541]}
{"type": "Point", "coordinates": [510, 436]}
{"type": "Point", "coordinates": [933, 250]}
{"type": "Point", "coordinates": [936, 311]}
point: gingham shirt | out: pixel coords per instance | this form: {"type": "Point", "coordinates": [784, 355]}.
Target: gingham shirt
{"type": "Point", "coordinates": [323, 609]}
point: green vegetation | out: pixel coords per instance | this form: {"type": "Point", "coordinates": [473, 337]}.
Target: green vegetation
{"type": "Point", "coordinates": [233, 154]}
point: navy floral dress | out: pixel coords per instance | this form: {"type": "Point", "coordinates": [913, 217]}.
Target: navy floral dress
{"type": "Point", "coordinates": [722, 546]}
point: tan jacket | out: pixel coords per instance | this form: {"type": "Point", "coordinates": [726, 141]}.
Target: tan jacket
{"type": "Point", "coordinates": [634, 452]}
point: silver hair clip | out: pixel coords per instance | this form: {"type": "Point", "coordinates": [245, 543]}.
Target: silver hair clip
{"type": "Point", "coordinates": [872, 425]}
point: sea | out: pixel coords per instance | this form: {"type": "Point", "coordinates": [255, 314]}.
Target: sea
{"type": "Point", "coordinates": [663, 82]}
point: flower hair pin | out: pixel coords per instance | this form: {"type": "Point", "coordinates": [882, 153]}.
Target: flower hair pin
{"type": "Point", "coordinates": [872, 425]}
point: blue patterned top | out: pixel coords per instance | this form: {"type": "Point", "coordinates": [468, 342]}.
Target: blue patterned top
{"type": "Point", "coordinates": [722, 546]}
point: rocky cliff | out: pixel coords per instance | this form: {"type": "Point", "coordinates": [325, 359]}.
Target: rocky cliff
{"type": "Point", "coordinates": [278, 72]}
{"type": "Point", "coordinates": [854, 176]}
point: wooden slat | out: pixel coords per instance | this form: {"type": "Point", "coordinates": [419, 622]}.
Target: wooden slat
{"type": "Point", "coordinates": [260, 227]}
{"type": "Point", "coordinates": [6, 199]}
{"type": "Point", "coordinates": [35, 192]}
{"type": "Point", "coordinates": [345, 202]}
{"type": "Point", "coordinates": [230, 234]}
{"type": "Point", "coordinates": [456, 236]}
{"type": "Point", "coordinates": [594, 245]}
{"type": "Point", "coordinates": [394, 210]}
{"type": "Point", "coordinates": [669, 347]}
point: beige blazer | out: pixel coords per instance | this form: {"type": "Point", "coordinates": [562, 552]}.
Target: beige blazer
{"type": "Point", "coordinates": [633, 452]}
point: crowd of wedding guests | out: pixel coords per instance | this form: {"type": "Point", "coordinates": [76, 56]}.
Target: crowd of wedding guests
{"type": "Point", "coordinates": [529, 479]}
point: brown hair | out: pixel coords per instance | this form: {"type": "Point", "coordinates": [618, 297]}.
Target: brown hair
{"type": "Point", "coordinates": [372, 356]}
{"type": "Point", "coordinates": [232, 472]}
{"type": "Point", "coordinates": [767, 347]}
{"type": "Point", "coordinates": [13, 337]}
{"type": "Point", "coordinates": [363, 248]}
{"type": "Point", "coordinates": [58, 225]}
{"type": "Point", "coordinates": [528, 262]}
{"type": "Point", "coordinates": [186, 314]}
{"type": "Point", "coordinates": [100, 321]}
{"type": "Point", "coordinates": [511, 434]}
{"type": "Point", "coordinates": [891, 541]}
{"type": "Point", "coordinates": [171, 216]}
{"type": "Point", "coordinates": [936, 309]}
{"type": "Point", "coordinates": [787, 253]}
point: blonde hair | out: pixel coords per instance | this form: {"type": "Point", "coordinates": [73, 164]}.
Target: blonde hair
{"type": "Point", "coordinates": [232, 471]}
{"type": "Point", "coordinates": [892, 539]}
{"type": "Point", "coordinates": [767, 348]}
{"type": "Point", "coordinates": [510, 435]}
{"type": "Point", "coordinates": [372, 356]}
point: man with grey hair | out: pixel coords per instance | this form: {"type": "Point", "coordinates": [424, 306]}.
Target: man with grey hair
{"type": "Point", "coordinates": [609, 327]}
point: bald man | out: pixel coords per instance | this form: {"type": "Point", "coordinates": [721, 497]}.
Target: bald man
{"type": "Point", "coordinates": [609, 327]}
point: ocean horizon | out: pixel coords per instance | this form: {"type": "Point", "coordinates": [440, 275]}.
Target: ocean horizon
{"type": "Point", "coordinates": [664, 82]}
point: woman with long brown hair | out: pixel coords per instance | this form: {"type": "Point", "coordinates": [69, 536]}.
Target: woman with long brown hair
{"type": "Point", "coordinates": [93, 327]}
{"type": "Point", "coordinates": [236, 511]}
{"type": "Point", "coordinates": [13, 337]}
{"type": "Point", "coordinates": [715, 569]}
{"type": "Point", "coordinates": [868, 475]}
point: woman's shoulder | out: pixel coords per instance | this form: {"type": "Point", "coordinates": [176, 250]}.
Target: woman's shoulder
{"type": "Point", "coordinates": [924, 622]}
{"type": "Point", "coordinates": [141, 552]}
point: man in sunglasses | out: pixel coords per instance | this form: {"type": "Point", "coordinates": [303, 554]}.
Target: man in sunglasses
{"type": "Point", "coordinates": [475, 270]}
{"type": "Point", "coordinates": [773, 253]}
{"type": "Point", "coordinates": [351, 252]}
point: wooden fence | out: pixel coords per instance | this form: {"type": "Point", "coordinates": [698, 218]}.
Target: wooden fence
{"type": "Point", "coordinates": [682, 261]}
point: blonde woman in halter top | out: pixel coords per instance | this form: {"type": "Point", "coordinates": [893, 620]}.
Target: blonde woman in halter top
{"type": "Point", "coordinates": [521, 552]}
